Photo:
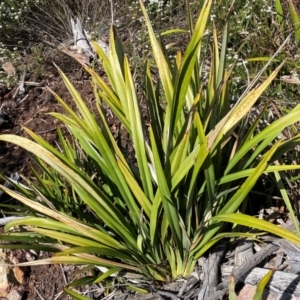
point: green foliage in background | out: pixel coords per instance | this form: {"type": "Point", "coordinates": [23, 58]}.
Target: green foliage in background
{"type": "Point", "coordinates": [13, 12]}
{"type": "Point", "coordinates": [195, 162]}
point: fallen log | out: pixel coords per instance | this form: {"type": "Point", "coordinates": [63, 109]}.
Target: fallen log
{"type": "Point", "coordinates": [280, 283]}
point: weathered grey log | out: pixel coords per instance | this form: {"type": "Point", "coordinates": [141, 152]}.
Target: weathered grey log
{"type": "Point", "coordinates": [167, 294]}
{"type": "Point", "coordinates": [80, 39]}
{"type": "Point", "coordinates": [293, 255]}
{"type": "Point", "coordinates": [281, 282]}
{"type": "Point", "coordinates": [153, 296]}
{"type": "Point", "coordinates": [211, 270]}
{"type": "Point", "coordinates": [243, 252]}
{"type": "Point", "coordinates": [245, 267]}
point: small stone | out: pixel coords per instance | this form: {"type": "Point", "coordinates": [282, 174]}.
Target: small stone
{"type": "Point", "coordinates": [14, 295]}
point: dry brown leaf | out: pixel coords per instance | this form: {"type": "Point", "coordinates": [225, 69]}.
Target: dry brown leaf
{"type": "Point", "coordinates": [9, 68]}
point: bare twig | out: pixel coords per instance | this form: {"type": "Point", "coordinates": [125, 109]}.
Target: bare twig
{"type": "Point", "coordinates": [38, 293]}
{"type": "Point", "coordinates": [63, 274]}
{"type": "Point", "coordinates": [22, 100]}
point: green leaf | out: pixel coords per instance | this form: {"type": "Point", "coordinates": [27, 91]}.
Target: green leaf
{"type": "Point", "coordinates": [84, 229]}
{"type": "Point", "coordinates": [79, 259]}
{"type": "Point", "coordinates": [236, 200]}
{"type": "Point", "coordinates": [185, 73]}
{"type": "Point", "coordinates": [165, 194]}
{"type": "Point", "coordinates": [107, 274]}
{"type": "Point", "coordinates": [136, 189]}
{"type": "Point", "coordinates": [247, 172]}
{"type": "Point", "coordinates": [232, 294]}
{"type": "Point", "coordinates": [295, 19]}
{"type": "Point", "coordinates": [287, 201]}
{"type": "Point", "coordinates": [138, 289]}
{"type": "Point", "coordinates": [160, 59]}
{"type": "Point", "coordinates": [262, 284]}
{"type": "Point", "coordinates": [248, 101]}
{"type": "Point", "coordinates": [262, 225]}
{"type": "Point", "coordinates": [75, 295]}
{"type": "Point", "coordinates": [138, 132]}
{"type": "Point", "coordinates": [279, 12]}
{"type": "Point", "coordinates": [270, 131]}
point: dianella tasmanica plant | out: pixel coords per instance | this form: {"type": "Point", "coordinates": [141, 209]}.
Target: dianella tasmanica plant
{"type": "Point", "coordinates": [193, 166]}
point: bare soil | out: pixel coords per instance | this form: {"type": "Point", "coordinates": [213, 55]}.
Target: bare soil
{"type": "Point", "coordinates": [31, 110]}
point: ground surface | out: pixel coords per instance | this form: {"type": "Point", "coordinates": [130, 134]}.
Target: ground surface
{"type": "Point", "coordinates": [31, 110]}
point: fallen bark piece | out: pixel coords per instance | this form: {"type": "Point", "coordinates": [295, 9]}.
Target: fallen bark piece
{"type": "Point", "coordinates": [293, 255]}
{"type": "Point", "coordinates": [211, 268]}
{"type": "Point", "coordinates": [14, 295]}
{"type": "Point", "coordinates": [281, 282]}
{"type": "Point", "coordinates": [243, 251]}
